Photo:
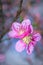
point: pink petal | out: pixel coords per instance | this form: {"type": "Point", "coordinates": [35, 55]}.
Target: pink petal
{"type": "Point", "coordinates": [26, 32]}
{"type": "Point", "coordinates": [20, 46]}
{"type": "Point", "coordinates": [26, 22]}
{"type": "Point", "coordinates": [13, 34]}
{"type": "Point", "coordinates": [30, 48]}
{"type": "Point", "coordinates": [37, 37]}
{"type": "Point", "coordinates": [26, 25]}
{"type": "Point", "coordinates": [31, 28]}
{"type": "Point", "coordinates": [23, 35]}
{"type": "Point", "coordinates": [16, 26]}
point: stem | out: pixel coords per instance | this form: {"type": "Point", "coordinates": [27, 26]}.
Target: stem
{"type": "Point", "coordinates": [16, 17]}
{"type": "Point", "coordinates": [2, 18]}
{"type": "Point", "coordinates": [19, 10]}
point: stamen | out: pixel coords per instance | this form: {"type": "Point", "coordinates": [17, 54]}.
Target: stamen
{"type": "Point", "coordinates": [27, 39]}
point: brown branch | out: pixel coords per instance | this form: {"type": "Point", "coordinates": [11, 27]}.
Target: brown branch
{"type": "Point", "coordinates": [16, 17]}
{"type": "Point", "coordinates": [19, 10]}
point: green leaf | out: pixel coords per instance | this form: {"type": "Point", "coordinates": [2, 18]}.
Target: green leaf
{"type": "Point", "coordinates": [21, 18]}
{"type": "Point", "coordinates": [35, 25]}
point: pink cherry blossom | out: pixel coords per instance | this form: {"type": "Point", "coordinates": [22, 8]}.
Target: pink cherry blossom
{"type": "Point", "coordinates": [28, 45]}
{"type": "Point", "coordinates": [24, 31]}
{"type": "Point", "coordinates": [20, 30]}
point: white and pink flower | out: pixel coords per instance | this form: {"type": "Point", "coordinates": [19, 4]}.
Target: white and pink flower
{"type": "Point", "coordinates": [20, 30]}
{"type": "Point", "coordinates": [24, 31]}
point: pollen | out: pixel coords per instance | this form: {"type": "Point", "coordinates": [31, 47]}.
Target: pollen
{"type": "Point", "coordinates": [27, 39]}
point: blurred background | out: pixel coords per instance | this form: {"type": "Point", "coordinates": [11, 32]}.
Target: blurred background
{"type": "Point", "coordinates": [17, 10]}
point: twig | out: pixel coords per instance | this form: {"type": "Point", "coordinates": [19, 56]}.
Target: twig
{"type": "Point", "coordinates": [16, 17]}
{"type": "Point", "coordinates": [19, 10]}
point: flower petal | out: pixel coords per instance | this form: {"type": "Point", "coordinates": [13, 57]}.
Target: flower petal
{"type": "Point", "coordinates": [30, 48]}
{"type": "Point", "coordinates": [26, 32]}
{"type": "Point", "coordinates": [37, 37]}
{"type": "Point", "coordinates": [13, 34]}
{"type": "Point", "coordinates": [31, 28]}
{"type": "Point", "coordinates": [16, 26]}
{"type": "Point", "coordinates": [25, 23]}
{"type": "Point", "coordinates": [20, 46]}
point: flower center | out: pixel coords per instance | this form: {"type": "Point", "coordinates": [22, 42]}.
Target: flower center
{"type": "Point", "coordinates": [21, 32]}
{"type": "Point", "coordinates": [27, 39]}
